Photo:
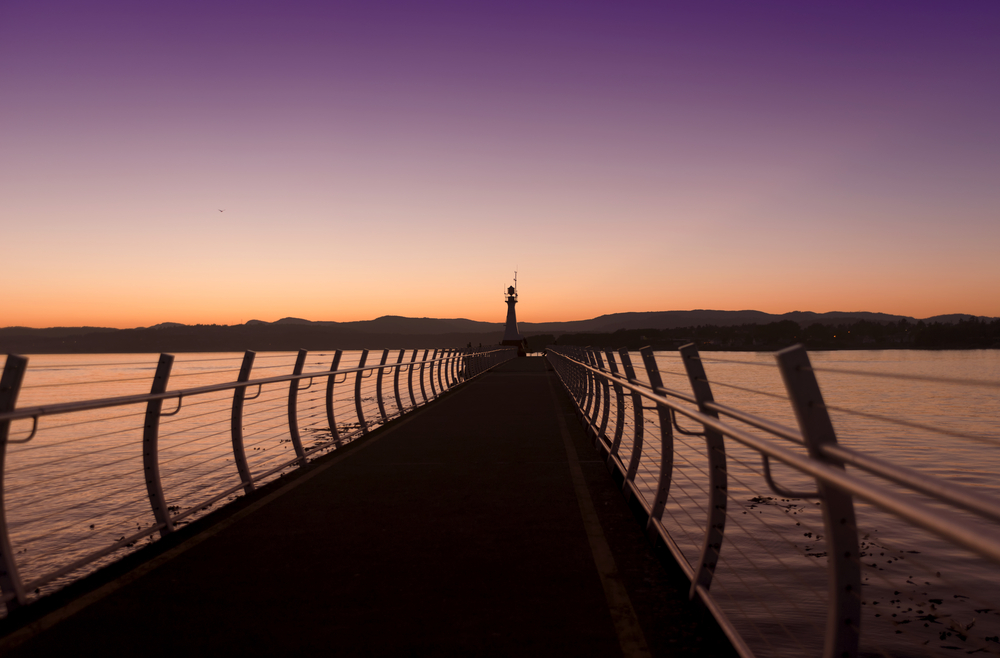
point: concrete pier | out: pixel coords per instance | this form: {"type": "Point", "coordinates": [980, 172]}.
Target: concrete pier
{"type": "Point", "coordinates": [481, 524]}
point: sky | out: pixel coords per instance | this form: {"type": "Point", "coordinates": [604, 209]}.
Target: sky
{"type": "Point", "coordinates": [217, 162]}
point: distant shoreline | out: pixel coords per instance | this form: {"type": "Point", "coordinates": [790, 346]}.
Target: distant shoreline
{"type": "Point", "coordinates": [861, 334]}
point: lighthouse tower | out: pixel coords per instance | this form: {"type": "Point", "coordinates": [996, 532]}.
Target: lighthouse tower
{"type": "Point", "coordinates": [510, 334]}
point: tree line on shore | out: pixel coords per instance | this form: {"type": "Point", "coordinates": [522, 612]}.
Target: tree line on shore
{"type": "Point", "coordinates": [863, 334]}
{"type": "Point", "coordinates": [972, 333]}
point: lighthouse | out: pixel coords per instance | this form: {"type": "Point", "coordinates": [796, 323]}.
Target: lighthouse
{"type": "Point", "coordinates": [510, 334]}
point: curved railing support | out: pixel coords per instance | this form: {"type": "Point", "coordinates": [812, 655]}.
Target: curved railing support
{"type": "Point", "coordinates": [430, 375]}
{"type": "Point", "coordinates": [423, 365]}
{"type": "Point", "coordinates": [843, 621]}
{"type": "Point", "coordinates": [620, 408]}
{"type": "Point", "coordinates": [637, 430]}
{"type": "Point", "coordinates": [452, 360]}
{"type": "Point", "coordinates": [667, 446]}
{"type": "Point", "coordinates": [357, 393]}
{"type": "Point", "coordinates": [606, 410]}
{"type": "Point", "coordinates": [598, 392]}
{"type": "Point", "coordinates": [378, 386]}
{"type": "Point", "coordinates": [589, 388]}
{"type": "Point", "coordinates": [409, 378]}
{"type": "Point", "coordinates": [395, 383]}
{"type": "Point", "coordinates": [239, 395]}
{"type": "Point", "coordinates": [715, 447]}
{"type": "Point", "coordinates": [440, 369]}
{"type": "Point", "coordinates": [150, 446]}
{"type": "Point", "coordinates": [10, 385]}
{"type": "Point", "coordinates": [330, 382]}
{"type": "Point", "coordinates": [293, 401]}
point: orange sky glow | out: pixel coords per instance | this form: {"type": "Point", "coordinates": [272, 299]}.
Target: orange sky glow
{"type": "Point", "coordinates": [634, 159]}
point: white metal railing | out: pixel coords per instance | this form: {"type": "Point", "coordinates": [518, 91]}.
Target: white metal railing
{"type": "Point", "coordinates": [664, 472]}
{"type": "Point", "coordinates": [89, 473]}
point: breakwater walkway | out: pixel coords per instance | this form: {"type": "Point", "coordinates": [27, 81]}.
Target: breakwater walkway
{"type": "Point", "coordinates": [482, 524]}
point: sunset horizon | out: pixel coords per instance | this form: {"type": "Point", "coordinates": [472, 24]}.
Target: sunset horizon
{"type": "Point", "coordinates": [494, 320]}
{"type": "Point", "coordinates": [218, 163]}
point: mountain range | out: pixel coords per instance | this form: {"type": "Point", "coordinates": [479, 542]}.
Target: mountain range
{"type": "Point", "coordinates": [390, 331]}
{"type": "Point", "coordinates": [395, 324]}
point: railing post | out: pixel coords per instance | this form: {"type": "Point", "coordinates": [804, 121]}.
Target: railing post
{"type": "Point", "coordinates": [330, 381]}
{"type": "Point", "coordinates": [423, 390]}
{"type": "Point", "coordinates": [573, 375]}
{"type": "Point", "coordinates": [667, 445]}
{"type": "Point", "coordinates": [395, 382]}
{"type": "Point", "coordinates": [580, 385]}
{"type": "Point", "coordinates": [606, 410]}
{"type": "Point", "coordinates": [620, 408]}
{"type": "Point", "coordinates": [10, 386]}
{"type": "Point", "coordinates": [239, 395]}
{"type": "Point", "coordinates": [444, 374]}
{"type": "Point", "coordinates": [293, 401]}
{"type": "Point", "coordinates": [843, 620]}
{"type": "Point", "coordinates": [440, 369]}
{"type": "Point", "coordinates": [590, 409]}
{"type": "Point", "coordinates": [717, 480]}
{"type": "Point", "coordinates": [378, 386]}
{"type": "Point", "coordinates": [357, 393]}
{"type": "Point", "coordinates": [409, 378]}
{"type": "Point", "coordinates": [150, 446]}
{"type": "Point", "coordinates": [638, 427]}
{"type": "Point", "coordinates": [430, 375]}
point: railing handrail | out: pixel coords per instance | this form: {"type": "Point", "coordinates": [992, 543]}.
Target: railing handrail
{"type": "Point", "coordinates": [824, 462]}
{"type": "Point", "coordinates": [980, 503]}
{"type": "Point", "coordinates": [103, 403]}
{"type": "Point", "coordinates": [464, 365]}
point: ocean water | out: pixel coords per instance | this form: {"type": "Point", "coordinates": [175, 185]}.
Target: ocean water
{"type": "Point", "coordinates": [921, 595]}
{"type": "Point", "coordinates": [77, 486]}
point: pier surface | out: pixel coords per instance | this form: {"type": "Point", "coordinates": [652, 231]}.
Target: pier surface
{"type": "Point", "coordinates": [481, 524]}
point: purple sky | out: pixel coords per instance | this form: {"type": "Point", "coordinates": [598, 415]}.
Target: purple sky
{"type": "Point", "coordinates": [402, 158]}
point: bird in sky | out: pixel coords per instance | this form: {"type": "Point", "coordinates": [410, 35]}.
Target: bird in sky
{"type": "Point", "coordinates": [222, 210]}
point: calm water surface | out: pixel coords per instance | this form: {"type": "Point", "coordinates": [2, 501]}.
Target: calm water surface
{"type": "Point", "coordinates": [921, 595]}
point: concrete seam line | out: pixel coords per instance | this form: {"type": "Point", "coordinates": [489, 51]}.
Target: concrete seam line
{"type": "Point", "coordinates": [46, 622]}
{"type": "Point", "coordinates": [630, 636]}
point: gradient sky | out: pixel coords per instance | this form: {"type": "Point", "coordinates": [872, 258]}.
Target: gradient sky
{"type": "Point", "coordinates": [403, 158]}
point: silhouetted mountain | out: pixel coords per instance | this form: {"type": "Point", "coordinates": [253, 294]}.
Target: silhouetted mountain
{"type": "Point", "coordinates": [392, 331]}
{"type": "Point", "coordinates": [677, 319]}
{"type": "Point", "coordinates": [52, 332]}
{"type": "Point", "coordinates": [955, 318]}
{"type": "Point", "coordinates": [396, 324]}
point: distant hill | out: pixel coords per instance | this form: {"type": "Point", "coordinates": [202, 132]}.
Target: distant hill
{"type": "Point", "coordinates": [395, 324]}
{"type": "Point", "coordinates": [677, 319]}
{"type": "Point", "coordinates": [393, 331]}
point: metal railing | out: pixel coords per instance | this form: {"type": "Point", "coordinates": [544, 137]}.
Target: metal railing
{"type": "Point", "coordinates": [84, 486]}
{"type": "Point", "coordinates": [614, 403]}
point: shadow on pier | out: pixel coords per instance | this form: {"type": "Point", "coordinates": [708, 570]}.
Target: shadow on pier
{"type": "Point", "coordinates": [482, 524]}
